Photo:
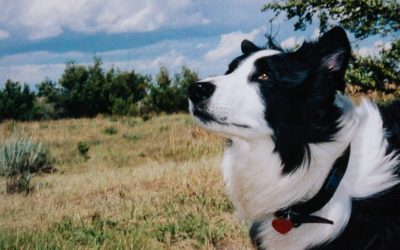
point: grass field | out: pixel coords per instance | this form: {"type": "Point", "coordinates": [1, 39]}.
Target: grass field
{"type": "Point", "coordinates": [152, 184]}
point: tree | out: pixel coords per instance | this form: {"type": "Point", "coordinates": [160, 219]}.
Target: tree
{"type": "Point", "coordinates": [170, 95]}
{"type": "Point", "coordinates": [83, 89]}
{"type": "Point", "coordinates": [49, 102]}
{"type": "Point", "coordinates": [16, 102]}
{"type": "Point", "coordinates": [183, 80]}
{"type": "Point", "coordinates": [89, 90]}
{"type": "Point", "coordinates": [73, 82]}
{"type": "Point", "coordinates": [363, 19]}
{"type": "Point", "coordinates": [374, 72]}
{"type": "Point", "coordinates": [124, 90]}
{"type": "Point", "coordinates": [94, 89]}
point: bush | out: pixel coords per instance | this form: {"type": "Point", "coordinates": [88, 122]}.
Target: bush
{"type": "Point", "coordinates": [110, 131]}
{"type": "Point", "coordinates": [20, 158]}
{"type": "Point", "coordinates": [83, 148]}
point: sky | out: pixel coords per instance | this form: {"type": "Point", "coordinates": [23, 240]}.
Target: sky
{"type": "Point", "coordinates": [38, 37]}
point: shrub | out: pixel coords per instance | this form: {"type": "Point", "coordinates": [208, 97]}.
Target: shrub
{"type": "Point", "coordinates": [20, 158]}
{"type": "Point", "coordinates": [110, 131]}
{"type": "Point", "coordinates": [83, 148]}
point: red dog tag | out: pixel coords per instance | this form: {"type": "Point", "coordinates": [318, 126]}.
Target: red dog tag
{"type": "Point", "coordinates": [282, 226]}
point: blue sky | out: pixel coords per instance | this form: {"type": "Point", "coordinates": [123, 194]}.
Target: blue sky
{"type": "Point", "coordinates": [38, 37]}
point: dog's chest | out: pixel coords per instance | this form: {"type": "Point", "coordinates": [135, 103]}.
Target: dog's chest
{"type": "Point", "coordinates": [250, 173]}
{"type": "Point", "coordinates": [255, 185]}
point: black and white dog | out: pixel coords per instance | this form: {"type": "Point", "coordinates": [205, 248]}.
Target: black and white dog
{"type": "Point", "coordinates": [305, 168]}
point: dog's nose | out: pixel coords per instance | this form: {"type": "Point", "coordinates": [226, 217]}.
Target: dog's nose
{"type": "Point", "coordinates": [200, 91]}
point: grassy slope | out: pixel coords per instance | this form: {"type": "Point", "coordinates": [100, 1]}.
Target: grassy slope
{"type": "Point", "coordinates": [152, 185]}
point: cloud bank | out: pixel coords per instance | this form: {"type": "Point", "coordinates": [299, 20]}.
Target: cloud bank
{"type": "Point", "coordinates": [49, 18]}
{"type": "Point", "coordinates": [230, 44]}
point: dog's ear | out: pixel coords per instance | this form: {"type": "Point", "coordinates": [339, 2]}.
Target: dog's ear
{"type": "Point", "coordinates": [328, 56]}
{"type": "Point", "coordinates": [334, 54]}
{"type": "Point", "coordinates": [335, 49]}
{"type": "Point", "coordinates": [248, 47]}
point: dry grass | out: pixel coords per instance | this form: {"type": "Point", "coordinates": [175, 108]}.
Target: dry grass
{"type": "Point", "coordinates": [151, 185]}
{"type": "Point", "coordinates": [165, 138]}
{"type": "Point", "coordinates": [391, 92]}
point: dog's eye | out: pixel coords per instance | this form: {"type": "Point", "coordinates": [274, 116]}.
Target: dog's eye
{"type": "Point", "coordinates": [263, 77]}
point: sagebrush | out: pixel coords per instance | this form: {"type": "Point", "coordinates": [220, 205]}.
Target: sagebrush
{"type": "Point", "coordinates": [20, 158]}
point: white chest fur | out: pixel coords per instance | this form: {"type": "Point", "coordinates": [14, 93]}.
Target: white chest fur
{"type": "Point", "coordinates": [253, 179]}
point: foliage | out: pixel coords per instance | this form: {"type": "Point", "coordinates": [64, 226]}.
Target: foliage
{"type": "Point", "coordinates": [169, 95]}
{"type": "Point", "coordinates": [16, 102]}
{"type": "Point", "coordinates": [86, 91]}
{"type": "Point", "coordinates": [363, 19]}
{"type": "Point", "coordinates": [124, 90]}
{"type": "Point", "coordinates": [83, 148]}
{"type": "Point", "coordinates": [110, 131]}
{"type": "Point", "coordinates": [82, 89]}
{"type": "Point", "coordinates": [49, 103]}
{"type": "Point", "coordinates": [376, 72]}
{"type": "Point", "coordinates": [19, 159]}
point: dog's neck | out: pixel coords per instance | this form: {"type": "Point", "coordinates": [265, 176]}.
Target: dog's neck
{"type": "Point", "coordinates": [256, 186]}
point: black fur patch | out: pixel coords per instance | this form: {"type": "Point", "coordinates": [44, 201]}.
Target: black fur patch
{"type": "Point", "coordinates": [299, 95]}
{"type": "Point", "coordinates": [255, 229]}
{"type": "Point", "coordinates": [375, 222]}
{"type": "Point", "coordinates": [391, 122]}
{"type": "Point", "coordinates": [248, 48]}
{"type": "Point", "coordinates": [235, 63]}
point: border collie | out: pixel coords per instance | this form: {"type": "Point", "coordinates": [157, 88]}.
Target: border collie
{"type": "Point", "coordinates": [305, 168]}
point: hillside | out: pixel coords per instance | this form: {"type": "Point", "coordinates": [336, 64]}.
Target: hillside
{"type": "Point", "coordinates": [150, 184]}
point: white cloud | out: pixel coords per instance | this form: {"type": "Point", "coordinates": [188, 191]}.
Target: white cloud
{"type": "Point", "coordinates": [373, 50]}
{"type": "Point", "coordinates": [316, 34]}
{"type": "Point", "coordinates": [30, 73]}
{"type": "Point", "coordinates": [35, 73]}
{"type": "Point", "coordinates": [382, 45]}
{"type": "Point", "coordinates": [33, 67]}
{"type": "Point", "coordinates": [48, 18]}
{"type": "Point", "coordinates": [292, 42]}
{"type": "Point", "coordinates": [39, 57]}
{"type": "Point", "coordinates": [202, 45]}
{"type": "Point", "coordinates": [4, 34]}
{"type": "Point", "coordinates": [229, 44]}
{"type": "Point", "coordinates": [173, 60]}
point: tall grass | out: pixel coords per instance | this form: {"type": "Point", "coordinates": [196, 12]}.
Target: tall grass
{"type": "Point", "coordinates": [155, 184]}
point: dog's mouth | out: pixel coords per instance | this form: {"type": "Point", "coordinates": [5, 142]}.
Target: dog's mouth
{"type": "Point", "coordinates": [206, 117]}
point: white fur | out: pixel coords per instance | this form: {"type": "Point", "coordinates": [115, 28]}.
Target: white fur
{"type": "Point", "coordinates": [252, 170]}
{"type": "Point", "coordinates": [252, 176]}
{"type": "Point", "coordinates": [236, 100]}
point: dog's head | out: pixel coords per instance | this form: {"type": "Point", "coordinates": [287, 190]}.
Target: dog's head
{"type": "Point", "coordinates": [288, 95]}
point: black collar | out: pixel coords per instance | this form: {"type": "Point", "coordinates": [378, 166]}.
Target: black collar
{"type": "Point", "coordinates": [300, 213]}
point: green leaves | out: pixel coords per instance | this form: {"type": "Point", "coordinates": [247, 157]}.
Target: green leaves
{"type": "Point", "coordinates": [363, 19]}
{"type": "Point", "coordinates": [16, 101]}
{"type": "Point", "coordinates": [86, 91]}
{"type": "Point", "coordinates": [169, 94]}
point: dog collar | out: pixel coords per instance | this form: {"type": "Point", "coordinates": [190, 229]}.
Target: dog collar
{"type": "Point", "coordinates": [298, 214]}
